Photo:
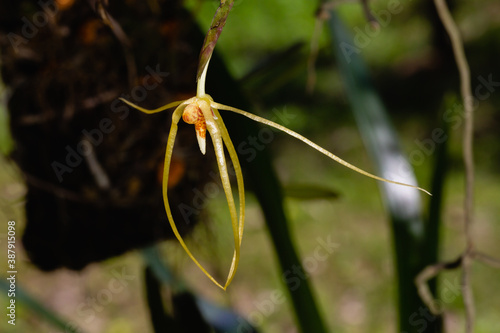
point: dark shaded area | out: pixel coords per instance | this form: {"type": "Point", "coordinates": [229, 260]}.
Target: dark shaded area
{"type": "Point", "coordinates": [92, 165]}
{"type": "Point", "coordinates": [187, 313]}
{"type": "Point", "coordinates": [160, 320]}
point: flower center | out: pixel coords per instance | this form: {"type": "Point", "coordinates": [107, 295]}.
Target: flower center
{"type": "Point", "coordinates": [193, 115]}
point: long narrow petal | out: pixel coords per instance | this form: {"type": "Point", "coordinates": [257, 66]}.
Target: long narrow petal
{"type": "Point", "coordinates": [241, 188]}
{"type": "Point", "coordinates": [215, 133]}
{"type": "Point", "coordinates": [237, 168]}
{"type": "Point", "coordinates": [162, 108]}
{"type": "Point", "coordinates": [168, 156]}
{"type": "Point", "coordinates": [310, 143]}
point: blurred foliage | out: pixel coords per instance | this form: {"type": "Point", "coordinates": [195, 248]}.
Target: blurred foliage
{"type": "Point", "coordinates": [415, 245]}
{"type": "Point", "coordinates": [6, 143]}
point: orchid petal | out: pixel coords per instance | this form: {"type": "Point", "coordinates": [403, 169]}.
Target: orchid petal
{"type": "Point", "coordinates": [237, 168]}
{"type": "Point", "coordinates": [162, 108]}
{"type": "Point", "coordinates": [168, 157]}
{"type": "Point", "coordinates": [310, 143]}
{"type": "Point", "coordinates": [241, 191]}
{"type": "Point", "coordinates": [215, 133]}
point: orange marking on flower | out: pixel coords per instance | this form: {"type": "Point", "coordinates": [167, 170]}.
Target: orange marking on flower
{"type": "Point", "coordinates": [194, 115]}
{"type": "Point", "coordinates": [201, 128]}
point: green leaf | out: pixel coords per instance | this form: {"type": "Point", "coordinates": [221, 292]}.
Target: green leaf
{"type": "Point", "coordinates": [403, 204]}
{"type": "Point", "coordinates": [441, 164]}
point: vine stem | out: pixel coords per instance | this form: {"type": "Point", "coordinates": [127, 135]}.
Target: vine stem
{"type": "Point", "coordinates": [468, 153]}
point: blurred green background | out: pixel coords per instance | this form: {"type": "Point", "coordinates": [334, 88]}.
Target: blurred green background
{"type": "Point", "coordinates": [265, 44]}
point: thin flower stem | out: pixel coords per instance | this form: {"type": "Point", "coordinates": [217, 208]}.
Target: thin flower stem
{"type": "Point", "coordinates": [200, 90]}
{"type": "Point", "coordinates": [218, 23]}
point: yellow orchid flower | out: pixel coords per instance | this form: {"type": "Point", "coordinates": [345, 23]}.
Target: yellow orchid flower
{"type": "Point", "coordinates": [202, 111]}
